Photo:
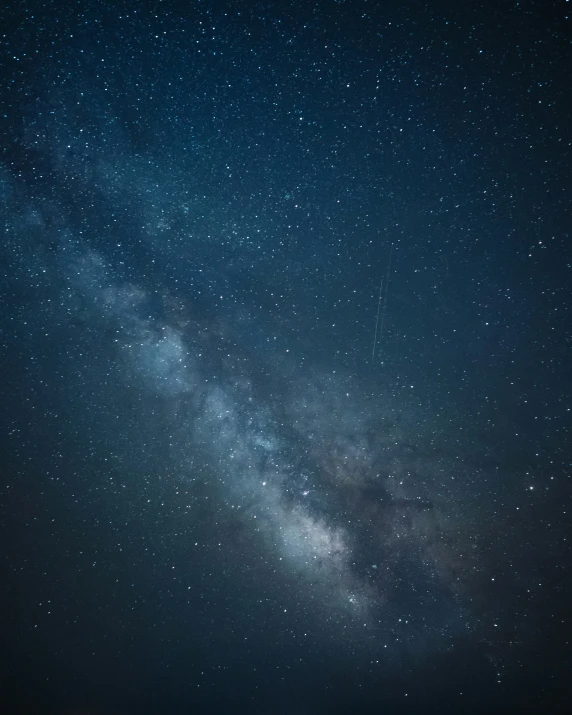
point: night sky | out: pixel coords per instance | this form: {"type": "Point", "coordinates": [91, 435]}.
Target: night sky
{"type": "Point", "coordinates": [285, 403]}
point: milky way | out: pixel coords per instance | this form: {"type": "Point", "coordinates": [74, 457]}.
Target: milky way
{"type": "Point", "coordinates": [217, 495]}
{"type": "Point", "coordinates": [354, 494]}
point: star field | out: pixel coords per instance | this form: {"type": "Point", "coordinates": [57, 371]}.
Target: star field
{"type": "Point", "coordinates": [285, 409]}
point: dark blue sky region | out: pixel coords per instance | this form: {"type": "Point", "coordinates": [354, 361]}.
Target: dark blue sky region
{"type": "Point", "coordinates": [285, 406]}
